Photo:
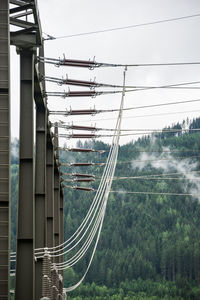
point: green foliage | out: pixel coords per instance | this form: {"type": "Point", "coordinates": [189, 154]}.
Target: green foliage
{"type": "Point", "coordinates": [138, 290]}
{"type": "Point", "coordinates": [150, 244]}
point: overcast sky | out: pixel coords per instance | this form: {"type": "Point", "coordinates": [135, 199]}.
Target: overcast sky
{"type": "Point", "coordinates": [176, 41]}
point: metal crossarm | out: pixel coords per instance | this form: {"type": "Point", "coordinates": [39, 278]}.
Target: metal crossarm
{"type": "Point", "coordinates": [29, 33]}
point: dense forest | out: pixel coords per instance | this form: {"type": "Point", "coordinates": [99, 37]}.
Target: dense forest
{"type": "Point", "coordinates": [149, 247]}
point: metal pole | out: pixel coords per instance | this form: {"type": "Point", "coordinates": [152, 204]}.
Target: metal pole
{"type": "Point", "coordinates": [25, 264]}
{"type": "Point", "coordinates": [40, 185]}
{"type": "Point", "coordinates": [56, 195]}
{"type": "Point", "coordinates": [4, 150]}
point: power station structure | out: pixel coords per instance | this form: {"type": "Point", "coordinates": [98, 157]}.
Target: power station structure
{"type": "Point", "coordinates": [40, 204]}
{"type": "Point", "coordinates": [40, 256]}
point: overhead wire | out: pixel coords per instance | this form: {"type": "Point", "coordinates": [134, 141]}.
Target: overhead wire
{"type": "Point", "coordinates": [93, 84]}
{"type": "Point", "coordinates": [145, 116]}
{"type": "Point", "coordinates": [132, 161]}
{"type": "Point", "coordinates": [94, 93]}
{"type": "Point", "coordinates": [67, 113]}
{"type": "Point", "coordinates": [149, 193]}
{"type": "Point", "coordinates": [50, 37]}
{"type": "Point", "coordinates": [157, 193]}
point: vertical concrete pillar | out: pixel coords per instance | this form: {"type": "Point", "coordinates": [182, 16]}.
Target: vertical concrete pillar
{"type": "Point", "coordinates": [25, 265]}
{"type": "Point", "coordinates": [40, 182]}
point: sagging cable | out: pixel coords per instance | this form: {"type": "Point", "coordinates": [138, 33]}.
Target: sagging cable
{"type": "Point", "coordinates": [93, 84]}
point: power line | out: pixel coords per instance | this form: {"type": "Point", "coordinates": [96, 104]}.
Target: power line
{"type": "Point", "coordinates": [144, 116]}
{"type": "Point", "coordinates": [152, 160]}
{"type": "Point", "coordinates": [139, 131]}
{"type": "Point", "coordinates": [125, 162]}
{"type": "Point", "coordinates": [92, 64]}
{"type": "Point", "coordinates": [93, 84]}
{"type": "Point", "coordinates": [94, 111]}
{"type": "Point", "coordinates": [49, 37]}
{"type": "Point", "coordinates": [156, 193]}
{"type": "Point", "coordinates": [122, 192]}
{"type": "Point", "coordinates": [164, 174]}
{"type": "Point", "coordinates": [155, 178]}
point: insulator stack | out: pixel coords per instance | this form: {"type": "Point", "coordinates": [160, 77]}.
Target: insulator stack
{"type": "Point", "coordinates": [60, 289]}
{"type": "Point", "coordinates": [90, 84]}
{"type": "Point", "coordinates": [80, 188]}
{"type": "Point", "coordinates": [82, 164]}
{"type": "Point", "coordinates": [82, 94]}
{"type": "Point", "coordinates": [82, 150]}
{"type": "Point", "coordinates": [84, 180]}
{"type": "Point", "coordinates": [83, 175]}
{"type": "Point", "coordinates": [79, 63]}
{"type": "Point", "coordinates": [76, 127]}
{"type": "Point", "coordinates": [55, 283]}
{"type": "Point", "coordinates": [75, 112]}
{"type": "Point", "coordinates": [74, 94]}
{"type": "Point", "coordinates": [79, 136]}
{"type": "Point", "coordinates": [83, 112]}
{"type": "Point", "coordinates": [46, 280]}
{"type": "Point", "coordinates": [45, 286]}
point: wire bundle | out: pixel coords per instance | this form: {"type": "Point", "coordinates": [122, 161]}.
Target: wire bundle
{"type": "Point", "coordinates": [93, 222]}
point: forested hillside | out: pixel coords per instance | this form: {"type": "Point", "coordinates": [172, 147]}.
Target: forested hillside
{"type": "Point", "coordinates": [150, 244]}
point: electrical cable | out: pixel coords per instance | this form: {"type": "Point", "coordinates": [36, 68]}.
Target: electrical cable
{"type": "Point", "coordinates": [93, 136]}
{"type": "Point", "coordinates": [107, 185]}
{"type": "Point", "coordinates": [90, 128]}
{"type": "Point", "coordinates": [110, 152]}
{"type": "Point", "coordinates": [106, 197]}
{"type": "Point", "coordinates": [144, 116]}
{"type": "Point", "coordinates": [123, 27]}
{"type": "Point", "coordinates": [93, 93]}
{"type": "Point", "coordinates": [153, 193]}
{"type": "Point", "coordinates": [134, 160]}
{"type": "Point", "coordinates": [67, 113]}
{"type": "Point", "coordinates": [157, 193]}
{"type": "Point", "coordinates": [93, 84]}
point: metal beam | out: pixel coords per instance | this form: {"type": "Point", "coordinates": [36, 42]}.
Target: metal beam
{"type": "Point", "coordinates": [16, 2]}
{"type": "Point", "coordinates": [50, 192]}
{"type": "Point", "coordinates": [22, 23]}
{"type": "Point", "coordinates": [34, 27]}
{"type": "Point", "coordinates": [56, 195]}
{"type": "Point", "coordinates": [25, 264]}
{"type": "Point", "coordinates": [4, 150]}
{"type": "Point", "coordinates": [21, 8]}
{"type": "Point", "coordinates": [40, 180]}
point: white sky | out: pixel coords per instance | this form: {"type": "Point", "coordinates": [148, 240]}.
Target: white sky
{"type": "Point", "coordinates": [167, 42]}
